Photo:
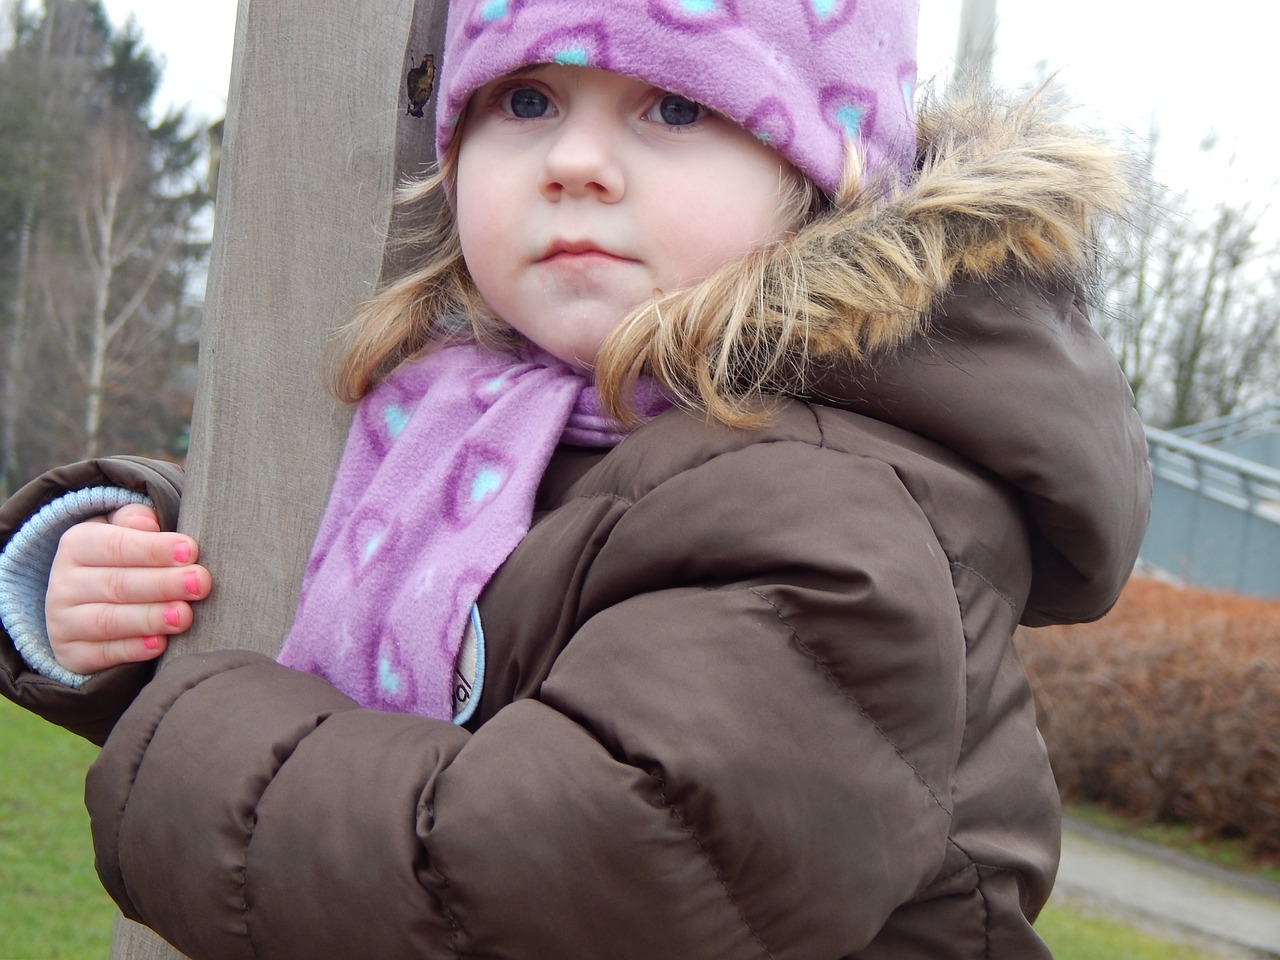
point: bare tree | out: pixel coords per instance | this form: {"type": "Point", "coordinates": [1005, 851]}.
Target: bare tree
{"type": "Point", "coordinates": [115, 227]}
{"type": "Point", "coordinates": [1191, 307]}
{"type": "Point", "coordinates": [96, 241]}
{"type": "Point", "coordinates": [45, 59]}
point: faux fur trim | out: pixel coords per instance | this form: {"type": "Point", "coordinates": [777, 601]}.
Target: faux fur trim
{"type": "Point", "coordinates": [1000, 187]}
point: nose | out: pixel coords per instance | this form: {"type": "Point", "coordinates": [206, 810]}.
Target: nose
{"type": "Point", "coordinates": [583, 160]}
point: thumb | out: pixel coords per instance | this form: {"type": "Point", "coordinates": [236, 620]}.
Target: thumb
{"type": "Point", "coordinates": [136, 516]}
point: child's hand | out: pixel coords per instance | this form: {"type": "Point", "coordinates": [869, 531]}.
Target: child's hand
{"type": "Point", "coordinates": [119, 588]}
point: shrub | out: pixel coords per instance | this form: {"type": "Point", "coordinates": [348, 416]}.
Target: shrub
{"type": "Point", "coordinates": [1168, 709]}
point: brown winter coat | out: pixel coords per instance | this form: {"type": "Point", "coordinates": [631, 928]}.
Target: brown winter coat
{"type": "Point", "coordinates": [750, 693]}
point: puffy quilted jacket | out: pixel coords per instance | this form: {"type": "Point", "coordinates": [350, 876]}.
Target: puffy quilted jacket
{"type": "Point", "coordinates": [788, 722]}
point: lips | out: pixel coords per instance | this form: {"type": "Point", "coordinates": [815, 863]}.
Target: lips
{"type": "Point", "coordinates": [578, 250]}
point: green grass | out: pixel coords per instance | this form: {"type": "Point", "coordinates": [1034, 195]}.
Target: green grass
{"type": "Point", "coordinates": [52, 907]}
{"type": "Point", "coordinates": [1073, 932]}
{"type": "Point", "coordinates": [51, 904]}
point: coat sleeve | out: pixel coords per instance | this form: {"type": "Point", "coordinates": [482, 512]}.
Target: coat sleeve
{"type": "Point", "coordinates": [742, 752]}
{"type": "Point", "coordinates": [91, 709]}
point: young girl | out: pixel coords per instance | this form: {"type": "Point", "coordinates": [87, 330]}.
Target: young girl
{"type": "Point", "coordinates": [732, 423]}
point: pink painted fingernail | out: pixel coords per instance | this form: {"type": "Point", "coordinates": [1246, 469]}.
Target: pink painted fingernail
{"type": "Point", "coordinates": [172, 616]}
{"type": "Point", "coordinates": [191, 583]}
{"type": "Point", "coordinates": [151, 643]}
{"type": "Point", "coordinates": [182, 552]}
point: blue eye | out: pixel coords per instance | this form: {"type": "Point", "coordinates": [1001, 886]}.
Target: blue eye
{"type": "Point", "coordinates": [528, 103]}
{"type": "Point", "coordinates": [678, 111]}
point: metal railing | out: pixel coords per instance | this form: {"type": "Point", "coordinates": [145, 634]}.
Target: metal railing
{"type": "Point", "coordinates": [1215, 516]}
{"type": "Point", "coordinates": [1254, 435]}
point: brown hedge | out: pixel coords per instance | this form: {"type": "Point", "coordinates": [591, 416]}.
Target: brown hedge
{"type": "Point", "coordinates": [1168, 709]}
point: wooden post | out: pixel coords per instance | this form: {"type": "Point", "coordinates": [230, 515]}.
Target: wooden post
{"type": "Point", "coordinates": [316, 138]}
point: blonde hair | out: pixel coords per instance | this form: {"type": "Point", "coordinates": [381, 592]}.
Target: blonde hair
{"type": "Point", "coordinates": [702, 343]}
{"type": "Point", "coordinates": [420, 310]}
{"type": "Point", "coordinates": [1000, 186]}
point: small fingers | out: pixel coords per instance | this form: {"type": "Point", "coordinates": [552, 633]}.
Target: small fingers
{"type": "Point", "coordinates": [126, 621]}
{"type": "Point", "coordinates": [90, 658]}
{"type": "Point", "coordinates": [118, 588]}
{"type": "Point", "coordinates": [113, 544]}
{"type": "Point", "coordinates": [116, 633]}
{"type": "Point", "coordinates": [73, 585]}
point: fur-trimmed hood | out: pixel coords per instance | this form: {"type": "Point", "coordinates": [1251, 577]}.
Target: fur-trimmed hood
{"type": "Point", "coordinates": [967, 296]}
{"type": "Point", "coordinates": [1001, 188]}
{"type": "Point", "coordinates": [954, 306]}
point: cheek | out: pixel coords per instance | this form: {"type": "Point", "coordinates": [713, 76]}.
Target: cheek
{"type": "Point", "coordinates": [481, 232]}
{"type": "Point", "coordinates": [477, 254]}
{"type": "Point", "coordinates": [472, 214]}
{"type": "Point", "coordinates": [480, 204]}
{"type": "Point", "coordinates": [711, 226]}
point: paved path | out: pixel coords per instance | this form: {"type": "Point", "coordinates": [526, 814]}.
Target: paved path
{"type": "Point", "coordinates": [1170, 892]}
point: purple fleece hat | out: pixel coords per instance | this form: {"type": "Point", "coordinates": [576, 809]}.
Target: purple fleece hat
{"type": "Point", "coordinates": [802, 75]}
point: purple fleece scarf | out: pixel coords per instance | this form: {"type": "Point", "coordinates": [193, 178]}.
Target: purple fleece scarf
{"type": "Point", "coordinates": [435, 489]}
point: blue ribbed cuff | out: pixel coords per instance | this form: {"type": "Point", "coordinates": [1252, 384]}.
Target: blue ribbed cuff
{"type": "Point", "coordinates": [24, 572]}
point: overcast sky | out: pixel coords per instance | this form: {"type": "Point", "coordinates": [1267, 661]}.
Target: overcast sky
{"type": "Point", "coordinates": [1188, 69]}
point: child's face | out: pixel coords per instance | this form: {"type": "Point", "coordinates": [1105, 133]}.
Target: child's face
{"type": "Point", "coordinates": [582, 192]}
